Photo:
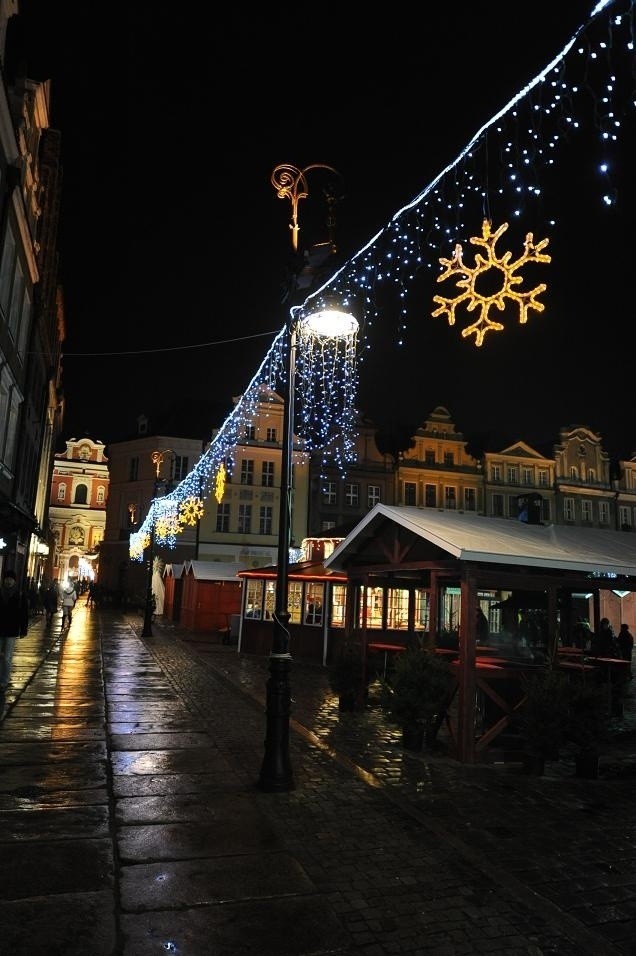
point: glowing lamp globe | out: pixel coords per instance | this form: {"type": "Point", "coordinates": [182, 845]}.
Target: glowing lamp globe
{"type": "Point", "coordinates": [329, 324]}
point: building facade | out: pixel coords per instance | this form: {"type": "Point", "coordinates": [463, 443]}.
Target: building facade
{"type": "Point", "coordinates": [77, 510]}
{"type": "Point", "coordinates": [31, 307]}
{"type": "Point", "coordinates": [243, 526]}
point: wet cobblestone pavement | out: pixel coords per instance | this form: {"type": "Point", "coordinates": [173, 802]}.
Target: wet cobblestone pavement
{"type": "Point", "coordinates": [130, 822]}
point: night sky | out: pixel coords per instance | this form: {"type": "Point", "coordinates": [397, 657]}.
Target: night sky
{"type": "Point", "coordinates": [174, 246]}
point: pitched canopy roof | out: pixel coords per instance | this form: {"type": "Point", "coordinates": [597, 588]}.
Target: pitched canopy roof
{"type": "Point", "coordinates": [500, 541]}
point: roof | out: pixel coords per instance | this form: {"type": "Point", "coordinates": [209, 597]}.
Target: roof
{"type": "Point", "coordinates": [212, 570]}
{"type": "Point", "coordinates": [303, 569]}
{"type": "Point", "coordinates": [173, 570]}
{"type": "Point", "coordinates": [472, 537]}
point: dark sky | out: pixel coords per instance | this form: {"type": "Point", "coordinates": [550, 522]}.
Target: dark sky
{"type": "Point", "coordinates": [173, 240]}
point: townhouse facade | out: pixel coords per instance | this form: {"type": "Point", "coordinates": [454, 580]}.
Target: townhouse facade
{"type": "Point", "coordinates": [141, 468]}
{"type": "Point", "coordinates": [31, 308]}
{"type": "Point", "coordinates": [243, 526]}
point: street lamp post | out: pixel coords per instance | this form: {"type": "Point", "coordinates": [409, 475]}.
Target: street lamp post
{"type": "Point", "coordinates": [276, 772]}
{"type": "Point", "coordinates": [157, 460]}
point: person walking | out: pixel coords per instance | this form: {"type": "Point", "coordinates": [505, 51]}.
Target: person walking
{"type": "Point", "coordinates": [14, 623]}
{"type": "Point", "coordinates": [625, 641]}
{"type": "Point", "coordinates": [69, 597]}
{"type": "Point", "coordinates": [50, 602]}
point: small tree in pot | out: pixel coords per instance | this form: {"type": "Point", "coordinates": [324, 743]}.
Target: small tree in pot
{"type": "Point", "coordinates": [415, 693]}
{"type": "Point", "coordinates": [587, 728]}
{"type": "Point", "coordinates": [543, 716]}
{"type": "Point", "coordinates": [347, 677]}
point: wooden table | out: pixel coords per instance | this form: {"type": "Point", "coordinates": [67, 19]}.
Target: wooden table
{"type": "Point", "coordinates": [387, 649]}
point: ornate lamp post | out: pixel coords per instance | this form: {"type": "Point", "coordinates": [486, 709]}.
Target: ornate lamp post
{"type": "Point", "coordinates": [157, 460]}
{"type": "Point", "coordinates": [276, 773]}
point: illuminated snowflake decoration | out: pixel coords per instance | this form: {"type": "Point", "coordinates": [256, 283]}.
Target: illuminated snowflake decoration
{"type": "Point", "coordinates": [483, 264]}
{"type": "Point", "coordinates": [136, 551]}
{"type": "Point", "coordinates": [167, 527]}
{"type": "Point", "coordinates": [191, 510]}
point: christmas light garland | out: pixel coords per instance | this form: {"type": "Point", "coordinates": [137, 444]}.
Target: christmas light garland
{"type": "Point", "coordinates": [582, 87]}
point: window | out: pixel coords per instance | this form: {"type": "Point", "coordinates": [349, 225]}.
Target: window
{"type": "Point", "coordinates": [180, 467]}
{"type": "Point", "coordinates": [295, 601]}
{"type": "Point", "coordinates": [470, 499]}
{"type": "Point", "coordinates": [498, 506]}
{"type": "Point", "coordinates": [429, 457]}
{"type": "Point", "coordinates": [247, 471]}
{"type": "Point", "coordinates": [495, 472]}
{"type": "Point", "coordinates": [512, 475]}
{"type": "Point", "coordinates": [604, 512]}
{"type": "Point", "coordinates": [101, 494]}
{"type": "Point", "coordinates": [591, 476]}
{"type": "Point", "coordinates": [410, 493]}
{"type": "Point", "coordinates": [543, 478]}
{"type": "Point", "coordinates": [254, 599]}
{"type": "Point", "coordinates": [265, 520]}
{"type": "Point", "coordinates": [586, 511]}
{"type": "Point", "coordinates": [422, 610]}
{"type": "Point", "coordinates": [327, 525]}
{"type": "Point", "coordinates": [373, 495]}
{"type": "Point", "coordinates": [338, 602]}
{"type": "Point", "coordinates": [352, 494]}
{"type": "Point", "coordinates": [223, 518]}
{"type": "Point", "coordinates": [397, 609]}
{"type": "Point", "coordinates": [267, 474]}
{"type": "Point", "coordinates": [624, 516]}
{"type": "Point", "coordinates": [271, 434]}
{"type": "Point", "coordinates": [450, 497]}
{"type": "Point", "coordinates": [528, 476]}
{"type": "Point", "coordinates": [568, 509]}
{"type": "Point", "coordinates": [449, 458]}
{"type": "Point", "coordinates": [244, 519]}
{"type": "Point", "coordinates": [430, 496]}
{"type": "Point", "coordinates": [574, 474]}
{"type": "Point", "coordinates": [250, 433]}
{"type": "Point", "coordinates": [81, 494]}
{"type": "Point", "coordinates": [133, 469]}
{"type": "Point", "coordinates": [546, 514]}
{"type": "Point", "coordinates": [15, 308]}
{"type": "Point", "coordinates": [25, 323]}
{"type": "Point", "coordinates": [329, 493]}
{"type": "Point", "coordinates": [7, 269]}
{"type": "Point", "coordinates": [61, 492]}
{"type": "Point", "coordinates": [375, 606]}
{"type": "Point", "coordinates": [314, 603]}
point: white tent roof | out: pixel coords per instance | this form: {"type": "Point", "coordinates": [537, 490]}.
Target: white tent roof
{"type": "Point", "coordinates": [472, 537]}
{"type": "Point", "coordinates": [213, 570]}
{"type": "Point", "coordinates": [173, 570]}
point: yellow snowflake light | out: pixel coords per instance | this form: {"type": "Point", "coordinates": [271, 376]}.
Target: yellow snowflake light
{"type": "Point", "coordinates": [219, 485]}
{"type": "Point", "coordinates": [455, 267]}
{"type": "Point", "coordinates": [167, 525]}
{"type": "Point", "coordinates": [190, 510]}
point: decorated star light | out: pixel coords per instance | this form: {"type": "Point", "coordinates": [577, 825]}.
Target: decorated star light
{"type": "Point", "coordinates": [507, 290]}
{"type": "Point", "coordinates": [191, 510]}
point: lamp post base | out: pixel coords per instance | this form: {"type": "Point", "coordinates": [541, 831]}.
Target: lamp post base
{"type": "Point", "coordinates": [276, 774]}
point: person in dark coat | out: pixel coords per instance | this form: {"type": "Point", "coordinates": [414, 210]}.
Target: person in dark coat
{"type": "Point", "coordinates": [625, 641]}
{"type": "Point", "coordinates": [604, 641]}
{"type": "Point", "coordinates": [14, 623]}
{"type": "Point", "coordinates": [50, 601]}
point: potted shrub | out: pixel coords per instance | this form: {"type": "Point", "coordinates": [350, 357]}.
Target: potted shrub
{"type": "Point", "coordinates": [543, 717]}
{"type": "Point", "coordinates": [415, 693]}
{"type": "Point", "coordinates": [347, 677]}
{"type": "Point", "coordinates": [587, 727]}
